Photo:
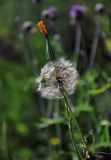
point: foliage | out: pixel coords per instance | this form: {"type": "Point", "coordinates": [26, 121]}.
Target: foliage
{"type": "Point", "coordinates": [30, 126]}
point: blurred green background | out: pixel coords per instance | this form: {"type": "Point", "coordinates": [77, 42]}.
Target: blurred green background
{"type": "Point", "coordinates": [33, 128]}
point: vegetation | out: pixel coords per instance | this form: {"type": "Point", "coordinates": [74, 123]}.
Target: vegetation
{"type": "Point", "coordinates": [33, 125]}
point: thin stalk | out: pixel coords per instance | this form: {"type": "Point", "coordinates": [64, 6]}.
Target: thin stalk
{"type": "Point", "coordinates": [58, 127]}
{"type": "Point", "coordinates": [49, 51]}
{"type": "Point", "coordinates": [77, 41]}
{"type": "Point", "coordinates": [106, 132]}
{"type": "Point", "coordinates": [71, 129]}
{"type": "Point", "coordinates": [30, 55]}
{"type": "Point", "coordinates": [7, 153]}
{"type": "Point", "coordinates": [94, 44]}
{"type": "Point", "coordinates": [76, 123]}
{"type": "Point", "coordinates": [64, 92]}
{"type": "Point", "coordinates": [4, 134]}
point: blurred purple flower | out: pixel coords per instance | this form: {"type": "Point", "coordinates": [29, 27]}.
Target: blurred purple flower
{"type": "Point", "coordinates": [50, 13]}
{"type": "Point", "coordinates": [76, 11]}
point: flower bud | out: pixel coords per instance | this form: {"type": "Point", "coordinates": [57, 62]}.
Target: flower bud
{"type": "Point", "coordinates": [99, 8]}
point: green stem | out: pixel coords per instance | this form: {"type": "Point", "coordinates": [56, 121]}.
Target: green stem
{"type": "Point", "coordinates": [71, 130]}
{"type": "Point", "coordinates": [76, 123]}
{"type": "Point", "coordinates": [64, 92]}
{"type": "Point", "coordinates": [49, 51]}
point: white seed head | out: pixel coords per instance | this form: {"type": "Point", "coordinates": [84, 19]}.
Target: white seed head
{"type": "Point", "coordinates": [53, 75]}
{"type": "Point", "coordinates": [27, 26]}
{"type": "Point", "coordinates": [99, 8]}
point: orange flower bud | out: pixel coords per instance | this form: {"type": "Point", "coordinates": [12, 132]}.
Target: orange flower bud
{"type": "Point", "coordinates": [42, 28]}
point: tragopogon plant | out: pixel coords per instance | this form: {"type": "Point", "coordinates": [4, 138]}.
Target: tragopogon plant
{"type": "Point", "coordinates": [57, 80]}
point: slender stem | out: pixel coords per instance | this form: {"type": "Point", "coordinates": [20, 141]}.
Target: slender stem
{"type": "Point", "coordinates": [94, 44]}
{"type": "Point", "coordinates": [49, 51]}
{"type": "Point", "coordinates": [77, 42]}
{"type": "Point", "coordinates": [58, 127]}
{"type": "Point", "coordinates": [29, 55]}
{"type": "Point", "coordinates": [76, 123]}
{"type": "Point", "coordinates": [64, 92]}
{"type": "Point", "coordinates": [71, 129]}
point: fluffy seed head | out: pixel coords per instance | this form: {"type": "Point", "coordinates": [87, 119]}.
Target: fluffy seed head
{"type": "Point", "coordinates": [55, 75]}
{"type": "Point", "coordinates": [100, 8]}
{"type": "Point", "coordinates": [27, 26]}
{"type": "Point", "coordinates": [44, 14]}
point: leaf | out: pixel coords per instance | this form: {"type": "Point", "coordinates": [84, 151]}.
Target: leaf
{"type": "Point", "coordinates": [100, 90]}
{"type": "Point", "coordinates": [46, 122]}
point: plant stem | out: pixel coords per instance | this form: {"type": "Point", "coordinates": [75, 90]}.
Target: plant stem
{"type": "Point", "coordinates": [94, 44]}
{"type": "Point", "coordinates": [71, 128]}
{"type": "Point", "coordinates": [77, 42]}
{"type": "Point", "coordinates": [76, 123]}
{"type": "Point", "coordinates": [67, 103]}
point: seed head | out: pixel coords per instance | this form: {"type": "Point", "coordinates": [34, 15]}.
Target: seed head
{"type": "Point", "coordinates": [44, 14]}
{"type": "Point", "coordinates": [100, 8]}
{"type": "Point", "coordinates": [27, 26]}
{"type": "Point", "coordinates": [54, 75]}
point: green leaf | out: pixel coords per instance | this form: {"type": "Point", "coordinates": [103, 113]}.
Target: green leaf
{"type": "Point", "coordinates": [46, 122]}
{"type": "Point", "coordinates": [100, 90]}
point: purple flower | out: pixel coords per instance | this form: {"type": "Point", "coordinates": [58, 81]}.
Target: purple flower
{"type": "Point", "coordinates": [52, 12]}
{"type": "Point", "coordinates": [77, 11]}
